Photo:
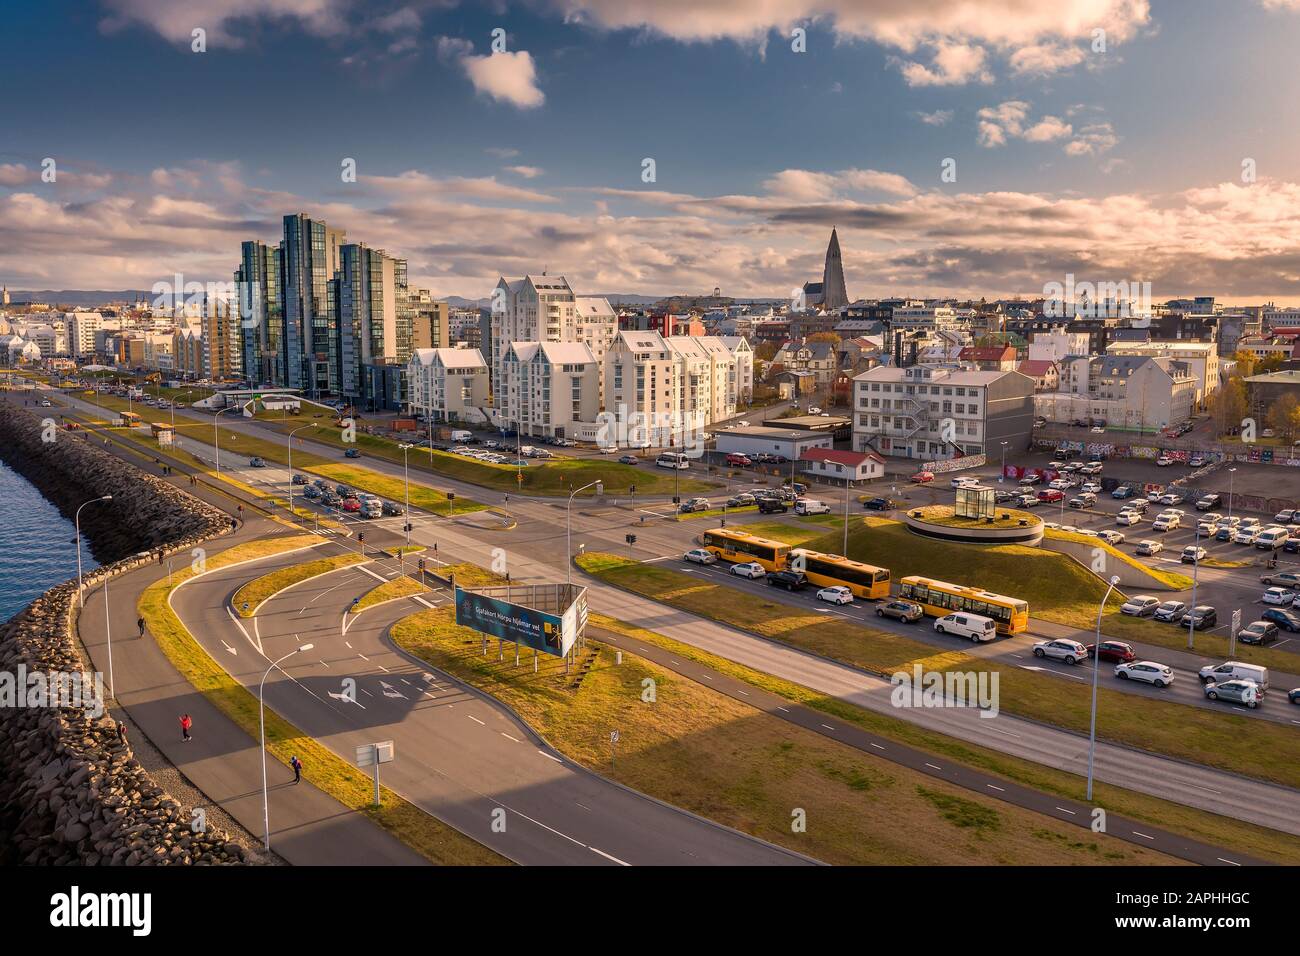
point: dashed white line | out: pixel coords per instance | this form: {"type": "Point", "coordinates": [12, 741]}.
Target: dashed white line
{"type": "Point", "coordinates": [363, 657]}
{"type": "Point", "coordinates": [828, 726]}
{"type": "Point", "coordinates": [475, 719]}
{"type": "Point", "coordinates": [550, 756]}
{"type": "Point", "coordinates": [998, 789]}
{"type": "Point", "coordinates": [1070, 812]}
{"type": "Point", "coordinates": [1229, 862]}
{"type": "Point", "coordinates": [784, 710]}
{"type": "Point", "coordinates": [508, 737]}
{"type": "Point", "coordinates": [933, 766]}
{"type": "Point", "coordinates": [608, 857]}
{"type": "Point", "coordinates": [1145, 836]}
{"type": "Point", "coordinates": [878, 747]}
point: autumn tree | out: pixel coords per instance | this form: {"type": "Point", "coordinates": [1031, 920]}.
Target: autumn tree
{"type": "Point", "coordinates": [824, 337]}
{"type": "Point", "coordinates": [1284, 417]}
{"type": "Point", "coordinates": [1228, 405]}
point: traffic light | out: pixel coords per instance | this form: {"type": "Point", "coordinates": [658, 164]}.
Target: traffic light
{"type": "Point", "coordinates": [630, 539]}
{"type": "Point", "coordinates": [361, 536]}
{"type": "Point", "coordinates": [451, 496]}
{"type": "Point", "coordinates": [632, 490]}
{"type": "Point", "coordinates": [408, 527]}
{"type": "Point", "coordinates": [677, 499]}
{"type": "Point", "coordinates": [422, 565]}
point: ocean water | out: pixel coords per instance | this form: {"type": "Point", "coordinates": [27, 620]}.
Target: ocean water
{"type": "Point", "coordinates": [36, 544]}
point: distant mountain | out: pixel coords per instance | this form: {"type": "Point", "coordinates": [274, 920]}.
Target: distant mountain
{"type": "Point", "coordinates": [78, 296]}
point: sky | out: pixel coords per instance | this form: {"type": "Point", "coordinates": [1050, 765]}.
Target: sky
{"type": "Point", "coordinates": [961, 147]}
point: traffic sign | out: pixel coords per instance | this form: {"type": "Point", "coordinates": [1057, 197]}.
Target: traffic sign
{"type": "Point", "coordinates": [366, 753]}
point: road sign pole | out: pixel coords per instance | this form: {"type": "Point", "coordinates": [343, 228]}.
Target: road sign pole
{"type": "Point", "coordinates": [376, 779]}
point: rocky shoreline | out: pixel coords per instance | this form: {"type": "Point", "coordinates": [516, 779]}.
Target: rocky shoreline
{"type": "Point", "coordinates": [72, 792]}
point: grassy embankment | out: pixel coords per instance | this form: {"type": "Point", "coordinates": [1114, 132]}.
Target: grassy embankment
{"type": "Point", "coordinates": [701, 750]}
{"type": "Point", "coordinates": [335, 776]}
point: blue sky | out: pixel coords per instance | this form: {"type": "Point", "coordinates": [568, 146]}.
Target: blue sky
{"type": "Point", "coordinates": [1121, 164]}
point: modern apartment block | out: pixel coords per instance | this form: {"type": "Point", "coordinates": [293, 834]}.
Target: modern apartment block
{"type": "Point", "coordinates": [548, 388]}
{"type": "Point", "coordinates": [670, 385]}
{"type": "Point", "coordinates": [223, 356]}
{"type": "Point", "coordinates": [743, 354]}
{"type": "Point", "coordinates": [1134, 392]}
{"type": "Point", "coordinates": [373, 315]}
{"type": "Point", "coordinates": [82, 327]}
{"type": "Point", "coordinates": [261, 304]}
{"type": "Point", "coordinates": [430, 321]}
{"type": "Point", "coordinates": [448, 385]}
{"type": "Point", "coordinates": [933, 414]}
{"type": "Point", "coordinates": [310, 255]}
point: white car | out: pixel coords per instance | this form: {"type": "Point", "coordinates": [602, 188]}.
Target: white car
{"type": "Point", "coordinates": [1091, 487]}
{"type": "Point", "coordinates": [1140, 605]}
{"type": "Point", "coordinates": [1169, 498]}
{"type": "Point", "coordinates": [835, 595]}
{"type": "Point", "coordinates": [1060, 484]}
{"type": "Point", "coordinates": [1062, 650]}
{"type": "Point", "coordinates": [1207, 529]}
{"type": "Point", "coordinates": [1111, 537]}
{"type": "Point", "coordinates": [1147, 548]}
{"type": "Point", "coordinates": [750, 569]}
{"type": "Point", "coordinates": [1149, 671]}
{"type": "Point", "coordinates": [1092, 468]}
{"type": "Point", "coordinates": [700, 556]}
{"type": "Point", "coordinates": [1164, 461]}
{"type": "Point", "coordinates": [1193, 555]}
{"type": "Point", "coordinates": [1165, 523]}
{"type": "Point", "coordinates": [1279, 596]}
{"type": "Point", "coordinates": [1127, 518]}
{"type": "Point", "coordinates": [1245, 535]}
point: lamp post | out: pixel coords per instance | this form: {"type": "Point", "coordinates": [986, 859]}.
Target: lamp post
{"type": "Point", "coordinates": [1003, 473]}
{"type": "Point", "coordinates": [1096, 668]}
{"type": "Point", "coordinates": [846, 516]}
{"type": "Point", "coordinates": [1196, 576]}
{"type": "Point", "coordinates": [406, 479]}
{"type": "Point", "coordinates": [290, 447]}
{"type": "Point", "coordinates": [568, 524]}
{"type": "Point", "coordinates": [216, 449]}
{"type": "Point", "coordinates": [261, 712]}
{"type": "Point", "coordinates": [77, 521]}
{"type": "Point", "coordinates": [1231, 472]}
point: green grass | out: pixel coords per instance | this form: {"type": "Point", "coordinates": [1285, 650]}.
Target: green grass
{"type": "Point", "coordinates": [251, 595]}
{"type": "Point", "coordinates": [1170, 579]}
{"type": "Point", "coordinates": [1202, 735]}
{"type": "Point", "coordinates": [399, 587]}
{"type": "Point", "coordinates": [945, 515]}
{"type": "Point", "coordinates": [351, 787]}
{"type": "Point", "coordinates": [1249, 838]}
{"type": "Point", "coordinates": [720, 758]}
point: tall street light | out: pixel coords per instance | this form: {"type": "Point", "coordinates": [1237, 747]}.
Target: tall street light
{"type": "Point", "coordinates": [1096, 668]}
{"type": "Point", "coordinates": [568, 524]}
{"type": "Point", "coordinates": [290, 444]}
{"type": "Point", "coordinates": [1231, 472]}
{"type": "Point", "coordinates": [1003, 473]}
{"type": "Point", "coordinates": [216, 450]}
{"type": "Point", "coordinates": [406, 479]}
{"type": "Point", "coordinates": [1196, 576]}
{"type": "Point", "coordinates": [261, 711]}
{"type": "Point", "coordinates": [77, 521]}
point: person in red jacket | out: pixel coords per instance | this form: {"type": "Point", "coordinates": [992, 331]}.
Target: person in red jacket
{"type": "Point", "coordinates": [186, 724]}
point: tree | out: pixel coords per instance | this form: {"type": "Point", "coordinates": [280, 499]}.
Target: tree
{"type": "Point", "coordinates": [824, 337]}
{"type": "Point", "coordinates": [1246, 362]}
{"type": "Point", "coordinates": [1228, 405]}
{"type": "Point", "coordinates": [1284, 417]}
{"type": "Point", "coordinates": [766, 351]}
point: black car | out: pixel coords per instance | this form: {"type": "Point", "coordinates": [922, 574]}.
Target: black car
{"type": "Point", "coordinates": [1286, 620]}
{"type": "Point", "coordinates": [878, 504]}
{"type": "Point", "coordinates": [1293, 695]}
{"type": "Point", "coordinates": [1260, 632]}
{"type": "Point", "coordinates": [1200, 618]}
{"type": "Point", "coordinates": [790, 580]}
{"type": "Point", "coordinates": [392, 509]}
{"type": "Point", "coordinates": [769, 506]}
{"type": "Point", "coordinates": [439, 446]}
{"type": "Point", "coordinates": [300, 479]}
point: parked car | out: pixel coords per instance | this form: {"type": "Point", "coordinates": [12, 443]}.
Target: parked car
{"type": "Point", "coordinates": [1278, 597]}
{"type": "Point", "coordinates": [1147, 548]}
{"type": "Point", "coordinates": [1170, 611]}
{"type": "Point", "coordinates": [1287, 620]}
{"type": "Point", "coordinates": [1050, 495]}
{"type": "Point", "coordinates": [1157, 674]}
{"type": "Point", "coordinates": [750, 569]}
{"type": "Point", "coordinates": [811, 506]}
{"type": "Point", "coordinates": [1285, 579]}
{"type": "Point", "coordinates": [1258, 632]}
{"type": "Point", "coordinates": [700, 556]}
{"type": "Point", "coordinates": [1139, 505]}
{"type": "Point", "coordinates": [351, 504]}
{"type": "Point", "coordinates": [739, 460]}
{"type": "Point", "coordinates": [1033, 479]}
{"type": "Point", "coordinates": [1200, 618]}
{"type": "Point", "coordinates": [769, 506]}
{"type": "Point", "coordinates": [1246, 535]}
{"type": "Point", "coordinates": [878, 504]}
{"type": "Point", "coordinates": [1027, 501]}
{"type": "Point", "coordinates": [1197, 461]}
{"type": "Point", "coordinates": [1111, 537]}
{"type": "Point", "coordinates": [1122, 492]}
{"type": "Point", "coordinates": [392, 509]}
{"type": "Point", "coordinates": [1234, 691]}
{"type": "Point", "coordinates": [835, 595]}
{"type": "Point", "coordinates": [925, 477]}
{"type": "Point", "coordinates": [1114, 651]}
{"type": "Point", "coordinates": [1061, 649]}
{"type": "Point", "coordinates": [788, 579]}
{"type": "Point", "coordinates": [963, 481]}
{"type": "Point", "coordinates": [1206, 502]}
{"type": "Point", "coordinates": [742, 500]}
{"type": "Point", "coordinates": [1293, 695]}
{"type": "Point", "coordinates": [1140, 605]}
{"type": "Point", "coordinates": [1164, 461]}
{"type": "Point", "coordinates": [629, 460]}
{"type": "Point", "coordinates": [1193, 554]}
{"type": "Point", "coordinates": [1128, 518]}
{"type": "Point", "coordinates": [900, 610]}
{"type": "Point", "coordinates": [300, 479]}
{"type": "Point", "coordinates": [1287, 515]}
{"type": "Point", "coordinates": [311, 491]}
{"type": "Point", "coordinates": [1165, 522]}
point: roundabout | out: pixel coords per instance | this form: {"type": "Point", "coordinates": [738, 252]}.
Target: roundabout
{"type": "Point", "coordinates": [1001, 526]}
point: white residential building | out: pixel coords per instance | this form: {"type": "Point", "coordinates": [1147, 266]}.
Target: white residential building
{"type": "Point", "coordinates": [933, 414]}
{"type": "Point", "coordinates": [1134, 392]}
{"type": "Point", "coordinates": [743, 354]}
{"type": "Point", "coordinates": [672, 386]}
{"type": "Point", "coordinates": [548, 388]}
{"type": "Point", "coordinates": [594, 324]}
{"type": "Point", "coordinates": [1055, 346]}
{"type": "Point", "coordinates": [448, 385]}
{"type": "Point", "coordinates": [1202, 358]}
{"type": "Point", "coordinates": [81, 333]}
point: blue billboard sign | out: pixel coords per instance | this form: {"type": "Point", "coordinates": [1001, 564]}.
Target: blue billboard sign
{"type": "Point", "coordinates": [526, 626]}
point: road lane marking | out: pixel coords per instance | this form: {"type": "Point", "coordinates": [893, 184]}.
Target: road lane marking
{"type": "Point", "coordinates": [933, 767]}
{"type": "Point", "coordinates": [366, 570]}
{"type": "Point", "coordinates": [508, 737]}
{"type": "Point", "coordinates": [608, 857]}
{"type": "Point", "coordinates": [421, 600]}
{"type": "Point", "coordinates": [1144, 836]}
{"type": "Point", "coordinates": [1070, 812]}
{"type": "Point", "coordinates": [550, 756]}
{"type": "Point", "coordinates": [363, 657]}
{"type": "Point", "coordinates": [998, 789]}
{"type": "Point", "coordinates": [476, 720]}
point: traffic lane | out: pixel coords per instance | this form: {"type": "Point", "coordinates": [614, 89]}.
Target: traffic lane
{"type": "Point", "coordinates": [1012, 651]}
{"type": "Point", "coordinates": [884, 748]}
{"type": "Point", "coordinates": [481, 747]}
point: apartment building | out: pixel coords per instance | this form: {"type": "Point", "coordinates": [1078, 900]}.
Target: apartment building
{"type": "Point", "coordinates": [430, 321]}
{"type": "Point", "coordinates": [189, 352]}
{"type": "Point", "coordinates": [548, 388]}
{"type": "Point", "coordinates": [223, 354]}
{"type": "Point", "coordinates": [1136, 392]}
{"type": "Point", "coordinates": [374, 321]}
{"type": "Point", "coordinates": [1201, 358]}
{"type": "Point", "coordinates": [743, 355]}
{"type": "Point", "coordinates": [672, 385]}
{"type": "Point", "coordinates": [261, 305]}
{"type": "Point", "coordinates": [933, 414]}
{"type": "Point", "coordinates": [311, 254]}
{"type": "Point", "coordinates": [448, 385]}
{"type": "Point", "coordinates": [534, 308]}
{"type": "Point", "coordinates": [703, 382]}
{"type": "Point", "coordinates": [81, 333]}
{"type": "Point", "coordinates": [816, 357]}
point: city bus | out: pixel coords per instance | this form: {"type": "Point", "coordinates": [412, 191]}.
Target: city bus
{"type": "Point", "coordinates": [738, 547]}
{"type": "Point", "coordinates": [129, 419]}
{"type": "Point", "coordinates": [939, 598]}
{"type": "Point", "coordinates": [829, 570]}
{"type": "Point", "coordinates": [673, 460]}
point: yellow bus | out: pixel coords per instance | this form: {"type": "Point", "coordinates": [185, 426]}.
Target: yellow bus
{"type": "Point", "coordinates": [939, 598]}
{"type": "Point", "coordinates": [738, 547]}
{"type": "Point", "coordinates": [828, 570]}
{"type": "Point", "coordinates": [129, 419]}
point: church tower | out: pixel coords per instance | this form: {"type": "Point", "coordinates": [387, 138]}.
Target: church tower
{"type": "Point", "coordinates": [834, 295]}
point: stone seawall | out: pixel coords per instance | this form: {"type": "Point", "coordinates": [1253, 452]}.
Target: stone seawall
{"type": "Point", "coordinates": [70, 791]}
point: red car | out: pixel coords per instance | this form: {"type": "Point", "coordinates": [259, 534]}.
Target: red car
{"type": "Point", "coordinates": [1117, 652]}
{"type": "Point", "coordinates": [736, 458]}
{"type": "Point", "coordinates": [1050, 495]}
{"type": "Point", "coordinates": [351, 504]}
{"type": "Point", "coordinates": [921, 477]}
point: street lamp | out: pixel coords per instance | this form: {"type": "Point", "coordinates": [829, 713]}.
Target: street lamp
{"type": "Point", "coordinates": [261, 713]}
{"type": "Point", "coordinates": [1231, 472]}
{"type": "Point", "coordinates": [216, 450]}
{"type": "Point", "coordinates": [1096, 668]}
{"type": "Point", "coordinates": [290, 444]}
{"type": "Point", "coordinates": [1003, 473]}
{"type": "Point", "coordinates": [406, 478]}
{"type": "Point", "coordinates": [1196, 576]}
{"type": "Point", "coordinates": [77, 521]}
{"type": "Point", "coordinates": [568, 524]}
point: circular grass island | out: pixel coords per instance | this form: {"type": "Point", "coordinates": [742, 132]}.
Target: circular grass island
{"type": "Point", "coordinates": [1005, 526]}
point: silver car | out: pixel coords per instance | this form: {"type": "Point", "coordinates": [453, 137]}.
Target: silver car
{"type": "Point", "coordinates": [1062, 650]}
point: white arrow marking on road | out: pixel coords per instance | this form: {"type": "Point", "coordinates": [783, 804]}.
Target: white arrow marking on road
{"type": "Point", "coordinates": [347, 699]}
{"type": "Point", "coordinates": [229, 648]}
{"type": "Point", "coordinates": [391, 691]}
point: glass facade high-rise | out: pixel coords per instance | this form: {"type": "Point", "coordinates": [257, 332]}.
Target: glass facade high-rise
{"type": "Point", "coordinates": [311, 256]}
{"type": "Point", "coordinates": [374, 319]}
{"type": "Point", "coordinates": [261, 325]}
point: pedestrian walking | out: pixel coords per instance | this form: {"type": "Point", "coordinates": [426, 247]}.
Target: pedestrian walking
{"type": "Point", "coordinates": [140, 624]}
{"type": "Point", "coordinates": [296, 764]}
{"type": "Point", "coordinates": [121, 732]}
{"type": "Point", "coordinates": [186, 724]}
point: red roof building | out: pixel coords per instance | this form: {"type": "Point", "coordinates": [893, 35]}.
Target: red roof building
{"type": "Point", "coordinates": [993, 358]}
{"type": "Point", "coordinates": [843, 465]}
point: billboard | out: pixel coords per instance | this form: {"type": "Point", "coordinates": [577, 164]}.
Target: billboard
{"type": "Point", "coordinates": [549, 633]}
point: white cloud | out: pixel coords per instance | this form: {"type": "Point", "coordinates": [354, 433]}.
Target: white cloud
{"type": "Point", "coordinates": [937, 118]}
{"type": "Point", "coordinates": [1043, 58]}
{"type": "Point", "coordinates": [802, 185]}
{"type": "Point", "coordinates": [528, 172]}
{"type": "Point", "coordinates": [1010, 120]}
{"type": "Point", "coordinates": [510, 76]}
{"type": "Point", "coordinates": [952, 64]}
{"type": "Point", "coordinates": [175, 19]}
{"type": "Point", "coordinates": [1047, 129]}
{"type": "Point", "coordinates": [16, 174]}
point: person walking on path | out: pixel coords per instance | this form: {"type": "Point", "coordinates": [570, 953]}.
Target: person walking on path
{"type": "Point", "coordinates": [140, 624]}
{"type": "Point", "coordinates": [121, 732]}
{"type": "Point", "coordinates": [186, 724]}
{"type": "Point", "coordinates": [296, 764]}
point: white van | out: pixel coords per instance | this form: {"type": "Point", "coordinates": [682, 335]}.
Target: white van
{"type": "Point", "coordinates": [1235, 670]}
{"type": "Point", "coordinates": [811, 506]}
{"type": "Point", "coordinates": [460, 435]}
{"type": "Point", "coordinates": [671, 460]}
{"type": "Point", "coordinates": [1270, 539]}
{"type": "Point", "coordinates": [973, 626]}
